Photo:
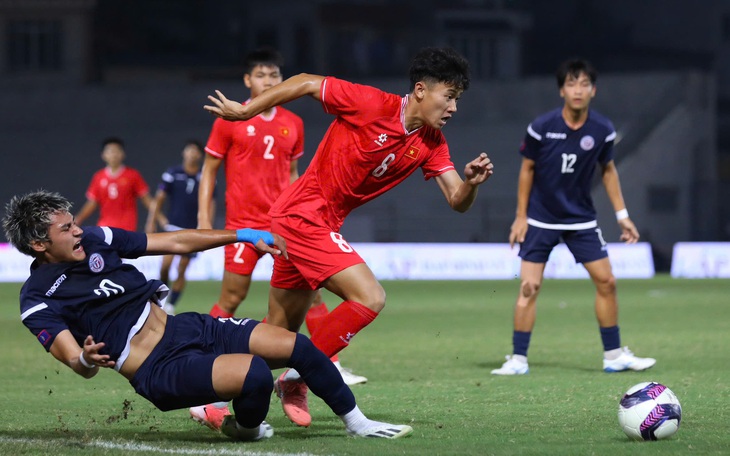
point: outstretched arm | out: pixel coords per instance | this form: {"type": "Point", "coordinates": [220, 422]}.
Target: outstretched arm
{"type": "Point", "coordinates": [460, 194]}
{"type": "Point", "coordinates": [67, 350]}
{"type": "Point", "coordinates": [629, 233]}
{"type": "Point", "coordinates": [187, 241]}
{"type": "Point", "coordinates": [291, 89]}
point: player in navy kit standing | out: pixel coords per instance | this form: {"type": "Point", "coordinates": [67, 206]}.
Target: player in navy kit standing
{"type": "Point", "coordinates": [89, 309]}
{"type": "Point", "coordinates": [179, 187]}
{"type": "Point", "coordinates": [560, 152]}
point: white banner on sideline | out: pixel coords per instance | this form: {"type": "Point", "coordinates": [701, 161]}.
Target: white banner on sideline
{"type": "Point", "coordinates": [398, 261]}
{"type": "Point", "coordinates": [701, 260]}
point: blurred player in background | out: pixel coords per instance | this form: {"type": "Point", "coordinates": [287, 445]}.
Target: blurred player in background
{"type": "Point", "coordinates": [179, 187]}
{"type": "Point", "coordinates": [260, 157]}
{"type": "Point", "coordinates": [560, 152]}
{"type": "Point", "coordinates": [114, 190]}
{"type": "Point", "coordinates": [375, 142]}
{"type": "Point", "coordinates": [90, 309]}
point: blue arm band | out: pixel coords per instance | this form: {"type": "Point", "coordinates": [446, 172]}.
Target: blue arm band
{"type": "Point", "coordinates": [252, 236]}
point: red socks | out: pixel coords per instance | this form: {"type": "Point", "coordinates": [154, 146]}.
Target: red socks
{"type": "Point", "coordinates": [335, 331]}
{"type": "Point", "coordinates": [314, 318]}
{"type": "Point", "coordinates": [217, 312]}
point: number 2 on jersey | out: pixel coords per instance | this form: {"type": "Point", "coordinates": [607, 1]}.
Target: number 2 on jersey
{"type": "Point", "coordinates": [269, 141]}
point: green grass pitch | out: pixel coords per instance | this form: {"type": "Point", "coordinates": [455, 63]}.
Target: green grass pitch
{"type": "Point", "coordinates": [427, 357]}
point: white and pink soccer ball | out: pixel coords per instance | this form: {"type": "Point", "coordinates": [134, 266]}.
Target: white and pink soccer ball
{"type": "Point", "coordinates": [649, 411]}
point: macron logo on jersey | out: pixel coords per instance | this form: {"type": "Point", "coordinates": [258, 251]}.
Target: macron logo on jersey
{"type": "Point", "coordinates": [552, 135]}
{"type": "Point", "coordinates": [56, 284]}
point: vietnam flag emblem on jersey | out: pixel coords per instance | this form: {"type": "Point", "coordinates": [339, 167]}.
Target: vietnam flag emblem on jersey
{"type": "Point", "coordinates": [412, 153]}
{"type": "Point", "coordinates": [284, 131]}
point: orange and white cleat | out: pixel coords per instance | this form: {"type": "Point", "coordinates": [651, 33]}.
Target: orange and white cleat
{"type": "Point", "coordinates": [209, 415]}
{"type": "Point", "coordinates": [293, 395]}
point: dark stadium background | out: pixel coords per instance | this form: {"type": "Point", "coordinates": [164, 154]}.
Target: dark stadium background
{"type": "Point", "coordinates": [73, 72]}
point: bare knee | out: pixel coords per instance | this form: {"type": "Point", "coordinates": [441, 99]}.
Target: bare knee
{"type": "Point", "coordinates": [606, 286]}
{"type": "Point", "coordinates": [529, 288]}
{"type": "Point", "coordinates": [374, 299]}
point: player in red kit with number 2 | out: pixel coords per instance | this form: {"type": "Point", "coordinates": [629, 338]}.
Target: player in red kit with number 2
{"type": "Point", "coordinates": [375, 142]}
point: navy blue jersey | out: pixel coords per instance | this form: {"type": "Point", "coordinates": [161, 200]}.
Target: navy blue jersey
{"type": "Point", "coordinates": [100, 296]}
{"type": "Point", "coordinates": [182, 196]}
{"type": "Point", "coordinates": [565, 161]}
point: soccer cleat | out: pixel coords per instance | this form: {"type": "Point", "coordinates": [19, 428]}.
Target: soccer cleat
{"type": "Point", "coordinates": [627, 361]}
{"type": "Point", "coordinates": [209, 415]}
{"type": "Point", "coordinates": [348, 377]}
{"type": "Point", "coordinates": [512, 366]}
{"type": "Point", "coordinates": [233, 430]}
{"type": "Point", "coordinates": [293, 395]}
{"type": "Point", "coordinates": [169, 308]}
{"type": "Point", "coordinates": [384, 431]}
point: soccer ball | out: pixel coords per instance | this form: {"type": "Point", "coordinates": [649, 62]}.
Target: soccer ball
{"type": "Point", "coordinates": [649, 411]}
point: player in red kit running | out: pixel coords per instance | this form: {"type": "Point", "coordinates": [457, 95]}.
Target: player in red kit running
{"type": "Point", "coordinates": [376, 140]}
{"type": "Point", "coordinates": [114, 190]}
{"type": "Point", "coordinates": [260, 157]}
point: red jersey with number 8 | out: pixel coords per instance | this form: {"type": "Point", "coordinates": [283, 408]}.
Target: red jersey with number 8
{"type": "Point", "coordinates": [365, 152]}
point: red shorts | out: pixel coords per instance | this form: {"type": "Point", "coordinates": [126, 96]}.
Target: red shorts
{"type": "Point", "coordinates": [241, 258]}
{"type": "Point", "coordinates": [316, 253]}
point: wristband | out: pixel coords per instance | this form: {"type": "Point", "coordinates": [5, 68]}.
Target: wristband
{"type": "Point", "coordinates": [622, 214]}
{"type": "Point", "coordinates": [84, 362]}
{"type": "Point", "coordinates": [252, 236]}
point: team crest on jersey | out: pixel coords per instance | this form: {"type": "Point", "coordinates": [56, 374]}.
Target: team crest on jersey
{"type": "Point", "coordinates": [413, 153]}
{"type": "Point", "coordinates": [284, 131]}
{"type": "Point", "coordinates": [96, 263]}
{"type": "Point", "coordinates": [587, 142]}
{"type": "Point", "coordinates": [251, 130]}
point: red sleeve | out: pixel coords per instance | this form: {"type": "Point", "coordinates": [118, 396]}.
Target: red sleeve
{"type": "Point", "coordinates": [140, 186]}
{"type": "Point", "coordinates": [93, 192]}
{"type": "Point", "coordinates": [355, 103]}
{"type": "Point", "coordinates": [439, 161]}
{"type": "Point", "coordinates": [220, 138]}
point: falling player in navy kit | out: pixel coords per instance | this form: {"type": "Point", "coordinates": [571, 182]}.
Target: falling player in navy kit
{"type": "Point", "coordinates": [90, 310]}
{"type": "Point", "coordinates": [560, 152]}
{"type": "Point", "coordinates": [179, 187]}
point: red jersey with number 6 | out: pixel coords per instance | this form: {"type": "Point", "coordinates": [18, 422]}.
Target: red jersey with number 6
{"type": "Point", "coordinates": [365, 152]}
{"type": "Point", "coordinates": [116, 194]}
{"type": "Point", "coordinates": [257, 154]}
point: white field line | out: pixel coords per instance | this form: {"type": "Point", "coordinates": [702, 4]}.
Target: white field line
{"type": "Point", "coordinates": [139, 447]}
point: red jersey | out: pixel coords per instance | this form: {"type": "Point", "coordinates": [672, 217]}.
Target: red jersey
{"type": "Point", "coordinates": [365, 152]}
{"type": "Point", "coordinates": [257, 153]}
{"type": "Point", "coordinates": [116, 194]}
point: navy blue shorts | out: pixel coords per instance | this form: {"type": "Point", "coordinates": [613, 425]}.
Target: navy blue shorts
{"type": "Point", "coordinates": [179, 371]}
{"type": "Point", "coordinates": [585, 245]}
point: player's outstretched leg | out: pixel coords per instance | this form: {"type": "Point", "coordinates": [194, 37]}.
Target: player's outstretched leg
{"type": "Point", "coordinates": [625, 360]}
{"type": "Point", "coordinates": [320, 374]}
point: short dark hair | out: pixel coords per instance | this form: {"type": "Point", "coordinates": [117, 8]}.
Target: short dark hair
{"type": "Point", "coordinates": [445, 65]}
{"type": "Point", "coordinates": [28, 217]}
{"type": "Point", "coordinates": [264, 56]}
{"type": "Point", "coordinates": [112, 140]}
{"type": "Point", "coordinates": [196, 143]}
{"type": "Point", "coordinates": [574, 67]}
